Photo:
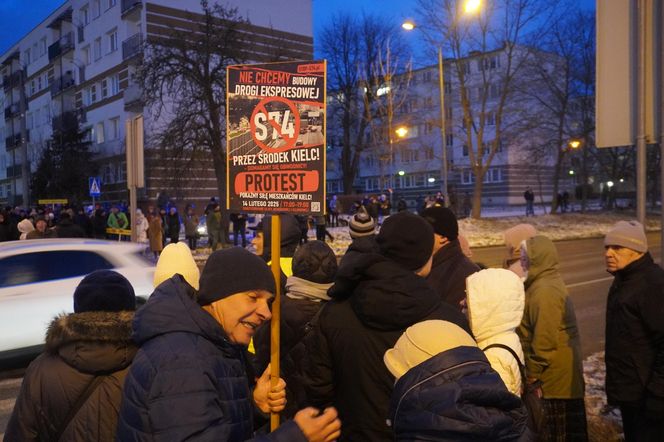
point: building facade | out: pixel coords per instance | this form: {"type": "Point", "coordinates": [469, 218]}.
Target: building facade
{"type": "Point", "coordinates": [411, 165]}
{"type": "Point", "coordinates": [78, 66]}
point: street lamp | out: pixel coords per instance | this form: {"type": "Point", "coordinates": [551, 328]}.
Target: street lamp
{"type": "Point", "coordinates": [470, 6]}
{"type": "Point", "coordinates": [401, 131]}
{"type": "Point", "coordinates": [574, 144]}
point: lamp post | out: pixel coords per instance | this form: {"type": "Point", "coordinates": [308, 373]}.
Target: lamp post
{"type": "Point", "coordinates": [469, 7]}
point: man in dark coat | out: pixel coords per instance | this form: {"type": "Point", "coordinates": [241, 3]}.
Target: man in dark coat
{"type": "Point", "coordinates": [93, 344]}
{"type": "Point", "coordinates": [314, 268]}
{"type": "Point", "coordinates": [450, 266]}
{"type": "Point", "coordinates": [189, 380]}
{"type": "Point", "coordinates": [375, 297]}
{"type": "Point", "coordinates": [173, 224]}
{"type": "Point", "coordinates": [67, 229]}
{"type": "Point", "coordinates": [635, 333]}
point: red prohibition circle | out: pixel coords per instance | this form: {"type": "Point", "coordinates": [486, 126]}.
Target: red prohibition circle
{"type": "Point", "coordinates": [262, 107]}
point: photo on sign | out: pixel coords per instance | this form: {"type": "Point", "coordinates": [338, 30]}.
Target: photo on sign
{"type": "Point", "coordinates": [275, 124]}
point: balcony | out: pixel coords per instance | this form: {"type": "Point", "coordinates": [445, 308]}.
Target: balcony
{"type": "Point", "coordinates": [61, 47]}
{"type": "Point", "coordinates": [14, 141]}
{"type": "Point", "coordinates": [80, 33]}
{"type": "Point", "coordinates": [65, 122]}
{"type": "Point", "coordinates": [131, 9]}
{"type": "Point", "coordinates": [11, 111]}
{"type": "Point", "coordinates": [63, 83]}
{"type": "Point", "coordinates": [12, 80]}
{"type": "Point", "coordinates": [132, 46]}
{"type": "Point", "coordinates": [133, 98]}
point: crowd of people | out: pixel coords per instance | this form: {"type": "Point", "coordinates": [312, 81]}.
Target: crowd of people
{"type": "Point", "coordinates": [403, 338]}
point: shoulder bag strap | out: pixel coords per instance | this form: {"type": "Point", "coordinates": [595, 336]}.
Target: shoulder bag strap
{"type": "Point", "coordinates": [522, 368]}
{"type": "Point", "coordinates": [94, 383]}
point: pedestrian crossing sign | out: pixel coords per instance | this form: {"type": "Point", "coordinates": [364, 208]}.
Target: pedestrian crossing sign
{"type": "Point", "coordinates": [95, 186]}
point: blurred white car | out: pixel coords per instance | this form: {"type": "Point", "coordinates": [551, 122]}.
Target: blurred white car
{"type": "Point", "coordinates": [38, 279]}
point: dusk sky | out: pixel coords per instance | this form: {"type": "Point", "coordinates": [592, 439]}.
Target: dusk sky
{"type": "Point", "coordinates": [17, 17]}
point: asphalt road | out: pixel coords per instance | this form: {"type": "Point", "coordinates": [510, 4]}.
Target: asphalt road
{"type": "Point", "coordinates": [582, 268]}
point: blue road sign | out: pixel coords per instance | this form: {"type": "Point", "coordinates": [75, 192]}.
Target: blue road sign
{"type": "Point", "coordinates": [95, 186]}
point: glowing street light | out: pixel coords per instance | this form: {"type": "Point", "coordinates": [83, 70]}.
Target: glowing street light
{"type": "Point", "coordinates": [610, 184]}
{"type": "Point", "coordinates": [401, 173]}
{"type": "Point", "coordinates": [622, 180]}
{"type": "Point", "coordinates": [408, 25]}
{"type": "Point", "coordinates": [472, 6]}
{"type": "Point", "coordinates": [574, 144]}
{"type": "Point", "coordinates": [571, 172]}
{"type": "Point", "coordinates": [401, 131]}
{"type": "Point", "coordinates": [431, 179]}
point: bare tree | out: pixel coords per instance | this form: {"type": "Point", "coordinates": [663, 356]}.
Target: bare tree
{"type": "Point", "coordinates": [503, 29]}
{"type": "Point", "coordinates": [365, 67]}
{"type": "Point", "coordinates": [185, 74]}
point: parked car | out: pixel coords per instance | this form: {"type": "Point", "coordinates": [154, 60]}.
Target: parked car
{"type": "Point", "coordinates": [38, 279]}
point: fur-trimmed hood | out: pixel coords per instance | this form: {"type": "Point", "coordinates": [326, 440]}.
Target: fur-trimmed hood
{"type": "Point", "coordinates": [93, 342]}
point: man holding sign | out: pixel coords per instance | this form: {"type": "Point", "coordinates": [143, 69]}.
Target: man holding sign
{"type": "Point", "coordinates": [188, 380]}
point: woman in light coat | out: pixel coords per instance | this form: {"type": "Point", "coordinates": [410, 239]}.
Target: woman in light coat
{"type": "Point", "coordinates": [142, 226]}
{"type": "Point", "coordinates": [495, 303]}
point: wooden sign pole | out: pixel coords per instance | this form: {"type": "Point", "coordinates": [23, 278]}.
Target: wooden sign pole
{"type": "Point", "coordinates": [276, 311]}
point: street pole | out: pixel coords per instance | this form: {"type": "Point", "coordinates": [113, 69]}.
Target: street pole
{"type": "Point", "coordinates": [641, 117]}
{"type": "Point", "coordinates": [441, 87]}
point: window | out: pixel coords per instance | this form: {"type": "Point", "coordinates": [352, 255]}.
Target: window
{"type": "Point", "coordinates": [42, 47]}
{"type": "Point", "coordinates": [36, 267]}
{"type": "Point", "coordinates": [99, 132]}
{"type": "Point", "coordinates": [428, 153]}
{"type": "Point", "coordinates": [96, 9]}
{"type": "Point", "coordinates": [467, 177]}
{"type": "Point", "coordinates": [115, 84]}
{"type": "Point", "coordinates": [104, 88]}
{"type": "Point", "coordinates": [449, 139]}
{"type": "Point", "coordinates": [84, 15]}
{"type": "Point", "coordinates": [97, 48]}
{"type": "Point", "coordinates": [114, 128]}
{"type": "Point", "coordinates": [26, 56]}
{"type": "Point", "coordinates": [92, 93]}
{"type": "Point", "coordinates": [465, 150]}
{"type": "Point", "coordinates": [85, 54]}
{"type": "Point", "coordinates": [35, 51]}
{"type": "Point", "coordinates": [33, 87]}
{"type": "Point", "coordinates": [113, 40]}
{"type": "Point", "coordinates": [448, 87]}
{"type": "Point", "coordinates": [120, 176]}
{"type": "Point", "coordinates": [491, 118]}
{"type": "Point", "coordinates": [40, 86]}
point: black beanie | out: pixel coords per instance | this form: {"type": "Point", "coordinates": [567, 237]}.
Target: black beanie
{"type": "Point", "coordinates": [315, 261]}
{"type": "Point", "coordinates": [406, 239]}
{"type": "Point", "coordinates": [231, 271]}
{"type": "Point", "coordinates": [104, 291]}
{"type": "Point", "coordinates": [443, 221]}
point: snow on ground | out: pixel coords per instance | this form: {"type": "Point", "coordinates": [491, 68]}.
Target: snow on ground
{"type": "Point", "coordinates": [604, 423]}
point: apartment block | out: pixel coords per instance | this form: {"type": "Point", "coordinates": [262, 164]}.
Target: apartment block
{"type": "Point", "coordinates": [411, 165]}
{"type": "Point", "coordinates": [77, 67]}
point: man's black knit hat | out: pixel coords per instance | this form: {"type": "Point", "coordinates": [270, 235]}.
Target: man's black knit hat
{"type": "Point", "coordinates": [231, 271]}
{"type": "Point", "coordinates": [443, 221]}
{"type": "Point", "coordinates": [104, 291]}
{"type": "Point", "coordinates": [406, 239]}
{"type": "Point", "coordinates": [315, 261]}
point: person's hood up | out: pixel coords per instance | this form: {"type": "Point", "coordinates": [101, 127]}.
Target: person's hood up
{"type": "Point", "coordinates": [176, 258]}
{"type": "Point", "coordinates": [93, 342]}
{"type": "Point", "coordinates": [542, 256]}
{"type": "Point", "coordinates": [25, 226]}
{"type": "Point", "coordinates": [172, 308]}
{"type": "Point", "coordinates": [495, 299]}
{"type": "Point", "coordinates": [383, 294]}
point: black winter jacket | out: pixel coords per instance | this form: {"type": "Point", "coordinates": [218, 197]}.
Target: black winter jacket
{"type": "Point", "coordinates": [374, 301]}
{"type": "Point", "coordinates": [67, 229]}
{"type": "Point", "coordinates": [188, 382]}
{"type": "Point", "coordinates": [295, 315]}
{"type": "Point", "coordinates": [79, 347]}
{"type": "Point", "coordinates": [449, 272]}
{"type": "Point", "coordinates": [635, 337]}
{"type": "Point", "coordinates": [456, 396]}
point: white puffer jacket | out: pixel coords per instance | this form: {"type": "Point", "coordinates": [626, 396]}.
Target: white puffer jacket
{"type": "Point", "coordinates": [495, 301]}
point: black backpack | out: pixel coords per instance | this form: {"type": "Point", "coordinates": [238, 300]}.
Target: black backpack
{"type": "Point", "coordinates": [529, 395]}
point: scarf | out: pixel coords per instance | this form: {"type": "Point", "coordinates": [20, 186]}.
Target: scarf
{"type": "Point", "coordinates": [298, 288]}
